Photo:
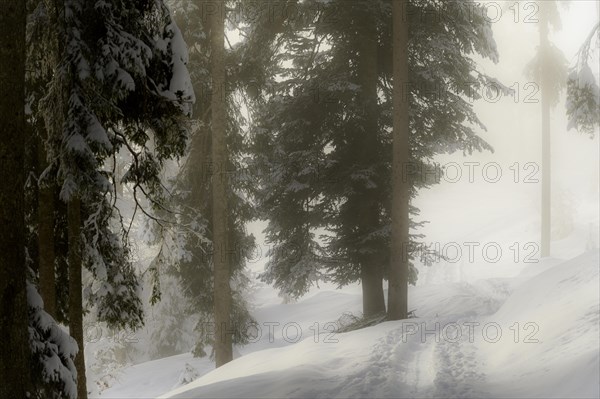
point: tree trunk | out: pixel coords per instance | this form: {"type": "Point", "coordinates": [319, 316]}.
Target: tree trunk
{"type": "Point", "coordinates": [366, 150]}
{"type": "Point", "coordinates": [222, 290]}
{"type": "Point", "coordinates": [398, 273]}
{"type": "Point", "coordinates": [61, 253]}
{"type": "Point", "coordinates": [546, 179]}
{"type": "Point", "coordinates": [14, 350]}
{"type": "Point", "coordinates": [372, 291]}
{"type": "Point", "coordinates": [75, 299]}
{"type": "Point", "coordinates": [46, 238]}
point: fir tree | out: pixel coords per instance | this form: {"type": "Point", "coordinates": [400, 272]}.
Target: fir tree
{"type": "Point", "coordinates": [583, 93]}
{"type": "Point", "coordinates": [52, 353]}
{"type": "Point", "coordinates": [185, 233]}
{"type": "Point", "coordinates": [548, 69]}
{"type": "Point", "coordinates": [14, 365]}
{"type": "Point", "coordinates": [323, 117]}
{"type": "Point", "coordinates": [399, 266]}
{"type": "Point", "coordinates": [117, 81]}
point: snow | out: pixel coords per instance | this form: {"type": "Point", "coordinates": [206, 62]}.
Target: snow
{"type": "Point", "coordinates": [125, 80]}
{"type": "Point", "coordinates": [584, 77]}
{"type": "Point", "coordinates": [563, 302]}
{"type": "Point", "coordinates": [52, 348]}
{"type": "Point", "coordinates": [546, 310]}
{"type": "Point", "coordinates": [553, 300]}
{"type": "Point", "coordinates": [416, 359]}
{"type": "Point", "coordinates": [149, 379]}
{"type": "Point", "coordinates": [181, 83]}
{"type": "Point", "coordinates": [421, 357]}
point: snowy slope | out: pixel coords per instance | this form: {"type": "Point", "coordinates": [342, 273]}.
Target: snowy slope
{"type": "Point", "coordinates": [414, 359]}
{"type": "Point", "coordinates": [149, 379]}
{"type": "Point", "coordinates": [393, 360]}
{"type": "Point", "coordinates": [560, 297]}
{"type": "Point", "coordinates": [563, 306]}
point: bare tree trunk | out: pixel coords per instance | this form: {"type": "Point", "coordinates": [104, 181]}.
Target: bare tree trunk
{"type": "Point", "coordinates": [222, 290]}
{"type": "Point", "coordinates": [75, 297]}
{"type": "Point", "coordinates": [366, 152]}
{"type": "Point", "coordinates": [398, 274]}
{"type": "Point", "coordinates": [546, 161]}
{"type": "Point", "coordinates": [47, 282]}
{"type": "Point", "coordinates": [14, 350]}
{"type": "Point", "coordinates": [372, 291]}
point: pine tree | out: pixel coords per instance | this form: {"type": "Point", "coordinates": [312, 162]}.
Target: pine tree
{"type": "Point", "coordinates": [583, 93]}
{"type": "Point", "coordinates": [52, 355]}
{"type": "Point", "coordinates": [548, 68]}
{"type": "Point", "coordinates": [52, 351]}
{"type": "Point", "coordinates": [117, 81]}
{"type": "Point", "coordinates": [221, 267]}
{"type": "Point", "coordinates": [186, 231]}
{"type": "Point", "coordinates": [319, 119]}
{"type": "Point", "coordinates": [75, 288]}
{"type": "Point", "coordinates": [44, 207]}
{"type": "Point", "coordinates": [14, 351]}
{"type": "Point", "coordinates": [46, 210]}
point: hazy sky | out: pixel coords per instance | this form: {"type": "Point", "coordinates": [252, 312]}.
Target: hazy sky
{"type": "Point", "coordinates": [454, 208]}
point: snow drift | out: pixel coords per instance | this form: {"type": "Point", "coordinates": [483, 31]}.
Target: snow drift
{"type": "Point", "coordinates": [543, 341]}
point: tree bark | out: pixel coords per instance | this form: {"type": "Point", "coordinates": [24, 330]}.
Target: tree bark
{"type": "Point", "coordinates": [372, 291]}
{"type": "Point", "coordinates": [366, 151]}
{"type": "Point", "coordinates": [222, 291]}
{"type": "Point", "coordinates": [47, 282]}
{"type": "Point", "coordinates": [398, 273]}
{"type": "Point", "coordinates": [75, 288]}
{"type": "Point", "coordinates": [14, 350]}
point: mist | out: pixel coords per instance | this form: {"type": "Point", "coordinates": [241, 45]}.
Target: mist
{"type": "Point", "coordinates": [300, 199]}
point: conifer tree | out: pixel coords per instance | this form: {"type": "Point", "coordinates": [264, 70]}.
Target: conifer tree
{"type": "Point", "coordinates": [583, 93]}
{"type": "Point", "coordinates": [221, 262]}
{"type": "Point", "coordinates": [548, 69]}
{"type": "Point", "coordinates": [323, 140]}
{"type": "Point", "coordinates": [118, 80]}
{"type": "Point", "coordinates": [399, 267]}
{"type": "Point", "coordinates": [186, 239]}
{"type": "Point", "coordinates": [14, 351]}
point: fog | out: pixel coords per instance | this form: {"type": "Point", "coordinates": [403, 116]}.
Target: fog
{"type": "Point", "coordinates": [176, 301]}
{"type": "Point", "coordinates": [484, 224]}
{"type": "Point", "coordinates": [472, 195]}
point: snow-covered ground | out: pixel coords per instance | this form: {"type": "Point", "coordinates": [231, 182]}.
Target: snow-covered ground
{"type": "Point", "coordinates": [533, 335]}
{"type": "Point", "coordinates": [493, 321]}
{"type": "Point", "coordinates": [515, 327]}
